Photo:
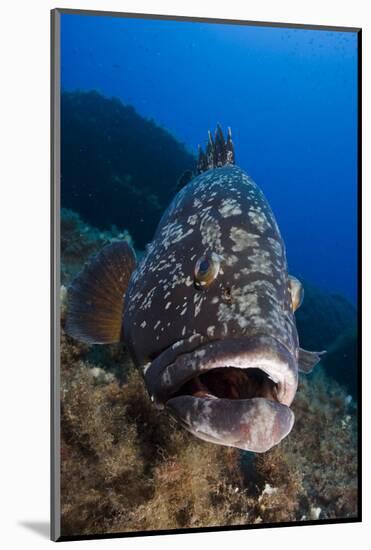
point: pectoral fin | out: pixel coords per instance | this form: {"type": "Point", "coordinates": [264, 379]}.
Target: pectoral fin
{"type": "Point", "coordinates": [297, 292]}
{"type": "Point", "coordinates": [309, 359]}
{"type": "Point", "coordinates": [95, 298]}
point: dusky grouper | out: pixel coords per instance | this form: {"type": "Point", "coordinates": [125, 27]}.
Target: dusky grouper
{"type": "Point", "coordinates": [208, 314]}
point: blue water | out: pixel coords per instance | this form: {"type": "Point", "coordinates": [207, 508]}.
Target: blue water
{"type": "Point", "coordinates": [289, 95]}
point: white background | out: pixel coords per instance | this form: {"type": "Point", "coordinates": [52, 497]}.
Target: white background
{"type": "Point", "coordinates": [24, 268]}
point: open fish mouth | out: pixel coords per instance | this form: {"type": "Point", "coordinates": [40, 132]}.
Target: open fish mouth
{"type": "Point", "coordinates": [233, 392]}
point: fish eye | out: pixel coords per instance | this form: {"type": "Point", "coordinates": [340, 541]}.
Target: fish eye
{"type": "Point", "coordinates": [204, 265]}
{"type": "Point", "coordinates": [206, 270]}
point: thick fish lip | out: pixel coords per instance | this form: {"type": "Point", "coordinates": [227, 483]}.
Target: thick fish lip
{"type": "Point", "coordinates": [255, 423]}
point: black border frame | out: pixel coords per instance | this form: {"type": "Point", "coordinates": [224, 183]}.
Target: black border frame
{"type": "Point", "coordinates": [55, 515]}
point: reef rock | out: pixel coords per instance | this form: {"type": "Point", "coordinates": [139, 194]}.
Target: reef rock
{"type": "Point", "coordinates": [329, 322]}
{"type": "Point", "coordinates": [117, 167]}
{"type": "Point", "coordinates": [323, 317]}
{"type": "Point", "coordinates": [80, 241]}
{"type": "Point", "coordinates": [341, 360]}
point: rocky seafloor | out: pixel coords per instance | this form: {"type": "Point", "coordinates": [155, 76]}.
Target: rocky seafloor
{"type": "Point", "coordinates": [128, 467]}
{"type": "Point", "coordinates": [116, 166]}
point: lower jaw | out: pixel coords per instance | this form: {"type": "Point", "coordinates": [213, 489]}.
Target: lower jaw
{"type": "Point", "coordinates": [256, 424]}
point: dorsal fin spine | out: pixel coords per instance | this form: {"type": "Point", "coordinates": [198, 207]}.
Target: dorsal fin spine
{"type": "Point", "coordinates": [219, 152]}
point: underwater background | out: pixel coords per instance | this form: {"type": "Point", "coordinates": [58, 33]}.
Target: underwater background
{"type": "Point", "coordinates": [138, 96]}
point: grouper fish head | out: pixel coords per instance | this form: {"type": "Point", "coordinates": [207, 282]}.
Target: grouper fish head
{"type": "Point", "coordinates": [208, 313]}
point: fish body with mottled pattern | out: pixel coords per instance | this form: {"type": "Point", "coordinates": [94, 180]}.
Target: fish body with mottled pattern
{"type": "Point", "coordinates": [208, 314]}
